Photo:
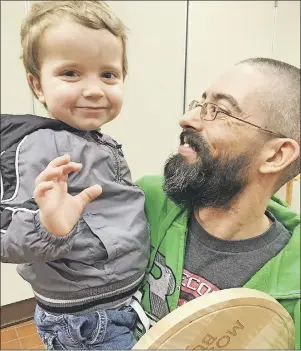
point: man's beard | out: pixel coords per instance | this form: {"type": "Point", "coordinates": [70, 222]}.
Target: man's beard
{"type": "Point", "coordinates": [208, 182]}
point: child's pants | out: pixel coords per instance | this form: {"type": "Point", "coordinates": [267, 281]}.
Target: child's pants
{"type": "Point", "coordinates": [97, 330]}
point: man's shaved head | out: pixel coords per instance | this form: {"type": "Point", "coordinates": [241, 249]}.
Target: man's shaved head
{"type": "Point", "coordinates": [280, 99]}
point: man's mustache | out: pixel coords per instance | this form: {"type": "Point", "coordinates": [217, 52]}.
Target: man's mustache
{"type": "Point", "coordinates": [195, 141]}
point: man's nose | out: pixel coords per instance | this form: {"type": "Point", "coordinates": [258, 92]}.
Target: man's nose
{"type": "Point", "coordinates": [93, 89]}
{"type": "Point", "coordinates": [192, 120]}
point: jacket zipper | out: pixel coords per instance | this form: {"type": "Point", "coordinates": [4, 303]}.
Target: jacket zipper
{"type": "Point", "coordinates": [117, 163]}
{"type": "Point", "coordinates": [114, 153]}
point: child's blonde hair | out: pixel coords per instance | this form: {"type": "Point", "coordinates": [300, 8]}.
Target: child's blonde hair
{"type": "Point", "coordinates": [44, 14]}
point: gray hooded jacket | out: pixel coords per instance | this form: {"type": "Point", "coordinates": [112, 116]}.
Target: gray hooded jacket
{"type": "Point", "coordinates": [103, 260]}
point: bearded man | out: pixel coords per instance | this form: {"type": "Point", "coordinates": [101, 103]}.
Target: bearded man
{"type": "Point", "coordinates": [214, 221]}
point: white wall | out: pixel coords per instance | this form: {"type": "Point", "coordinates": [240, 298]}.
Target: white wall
{"type": "Point", "coordinates": [220, 33]}
{"type": "Point", "coordinates": [287, 32]}
{"type": "Point", "coordinates": [15, 95]}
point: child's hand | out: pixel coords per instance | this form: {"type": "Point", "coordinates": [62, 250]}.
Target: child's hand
{"type": "Point", "coordinates": [59, 211]}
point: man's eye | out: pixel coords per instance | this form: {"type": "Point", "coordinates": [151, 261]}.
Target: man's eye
{"type": "Point", "coordinates": [212, 108]}
{"type": "Point", "coordinates": [221, 110]}
{"type": "Point", "coordinates": [108, 75]}
{"type": "Point", "coordinates": [70, 74]}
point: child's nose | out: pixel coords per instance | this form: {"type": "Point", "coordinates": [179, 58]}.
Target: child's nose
{"type": "Point", "coordinates": [93, 90]}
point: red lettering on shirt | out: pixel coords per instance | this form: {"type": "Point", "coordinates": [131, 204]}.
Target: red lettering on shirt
{"type": "Point", "coordinates": [195, 285]}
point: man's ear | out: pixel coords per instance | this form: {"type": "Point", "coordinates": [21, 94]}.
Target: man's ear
{"type": "Point", "coordinates": [278, 155]}
{"type": "Point", "coordinates": [36, 87]}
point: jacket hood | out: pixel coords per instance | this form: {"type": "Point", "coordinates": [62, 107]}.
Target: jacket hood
{"type": "Point", "coordinates": [15, 127]}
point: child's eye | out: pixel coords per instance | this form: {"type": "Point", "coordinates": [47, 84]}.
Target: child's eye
{"type": "Point", "coordinates": [109, 75]}
{"type": "Point", "coordinates": [71, 74]}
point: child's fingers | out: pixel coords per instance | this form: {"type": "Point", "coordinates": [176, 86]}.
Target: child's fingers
{"type": "Point", "coordinates": [72, 167]}
{"type": "Point", "coordinates": [51, 173]}
{"type": "Point", "coordinates": [89, 194]}
{"type": "Point", "coordinates": [59, 161]}
{"type": "Point", "coordinates": [41, 189]}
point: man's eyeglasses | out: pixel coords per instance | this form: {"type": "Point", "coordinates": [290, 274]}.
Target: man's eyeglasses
{"type": "Point", "coordinates": [209, 112]}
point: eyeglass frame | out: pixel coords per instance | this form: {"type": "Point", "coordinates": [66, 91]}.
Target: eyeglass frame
{"type": "Point", "coordinates": [219, 110]}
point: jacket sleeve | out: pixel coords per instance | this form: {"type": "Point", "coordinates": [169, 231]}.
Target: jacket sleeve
{"type": "Point", "coordinates": [26, 241]}
{"type": "Point", "coordinates": [23, 239]}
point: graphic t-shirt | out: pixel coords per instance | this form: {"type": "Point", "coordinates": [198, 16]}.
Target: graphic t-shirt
{"type": "Point", "coordinates": [213, 264]}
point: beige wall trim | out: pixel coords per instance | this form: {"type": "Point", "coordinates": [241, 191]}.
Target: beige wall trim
{"type": "Point", "coordinates": [17, 312]}
{"type": "Point", "coordinates": [289, 190]}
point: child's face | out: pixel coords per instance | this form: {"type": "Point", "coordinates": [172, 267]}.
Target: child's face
{"type": "Point", "coordinates": [81, 75]}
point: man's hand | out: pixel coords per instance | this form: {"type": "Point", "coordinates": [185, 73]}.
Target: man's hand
{"type": "Point", "coordinates": [60, 211]}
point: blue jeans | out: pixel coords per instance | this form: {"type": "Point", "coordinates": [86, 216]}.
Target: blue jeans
{"type": "Point", "coordinates": [97, 330]}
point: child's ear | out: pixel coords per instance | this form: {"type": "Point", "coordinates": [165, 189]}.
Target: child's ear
{"type": "Point", "coordinates": [36, 87]}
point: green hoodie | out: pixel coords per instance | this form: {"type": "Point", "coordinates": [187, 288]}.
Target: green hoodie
{"type": "Point", "coordinates": [280, 277]}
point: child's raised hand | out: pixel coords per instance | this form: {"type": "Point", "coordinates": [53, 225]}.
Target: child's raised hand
{"type": "Point", "coordinates": [60, 211]}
